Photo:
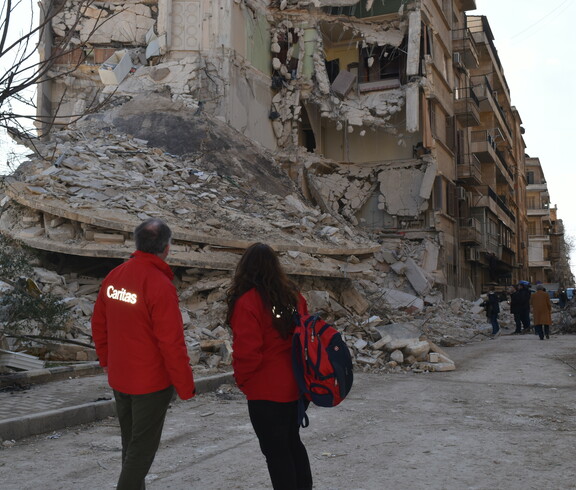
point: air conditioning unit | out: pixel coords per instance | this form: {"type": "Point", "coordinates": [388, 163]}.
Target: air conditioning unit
{"type": "Point", "coordinates": [461, 193]}
{"type": "Point", "coordinates": [458, 61]}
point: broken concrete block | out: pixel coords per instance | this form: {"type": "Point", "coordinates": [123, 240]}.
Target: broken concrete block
{"type": "Point", "coordinates": [418, 349]}
{"type": "Point", "coordinates": [434, 367]}
{"type": "Point", "coordinates": [185, 317]}
{"type": "Point", "coordinates": [108, 238]}
{"type": "Point", "coordinates": [318, 301]}
{"type": "Point", "coordinates": [398, 267]}
{"type": "Point", "coordinates": [397, 356]}
{"type": "Point", "coordinates": [397, 344]}
{"type": "Point", "coordinates": [47, 277]}
{"type": "Point", "coordinates": [370, 361]}
{"type": "Point", "coordinates": [431, 254]}
{"type": "Point", "coordinates": [62, 232]}
{"type": "Point", "coordinates": [360, 344]}
{"type": "Point", "coordinates": [353, 300]}
{"type": "Point", "coordinates": [399, 299]}
{"type": "Point", "coordinates": [416, 276]}
{"type": "Point", "coordinates": [115, 68]}
{"type": "Point", "coordinates": [386, 255]}
{"type": "Point", "coordinates": [399, 331]}
{"type": "Point", "coordinates": [343, 83]}
{"type": "Point", "coordinates": [433, 357]}
{"type": "Point", "coordinates": [381, 344]}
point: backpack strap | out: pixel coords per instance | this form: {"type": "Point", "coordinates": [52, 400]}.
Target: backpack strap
{"type": "Point", "coordinates": [303, 420]}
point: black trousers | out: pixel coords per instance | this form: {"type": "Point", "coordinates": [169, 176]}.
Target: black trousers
{"type": "Point", "coordinates": [276, 425]}
{"type": "Point", "coordinates": [542, 330]}
{"type": "Point", "coordinates": [141, 420]}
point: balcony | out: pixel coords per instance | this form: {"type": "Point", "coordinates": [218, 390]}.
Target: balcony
{"type": "Point", "coordinates": [470, 231]}
{"type": "Point", "coordinates": [469, 170]}
{"type": "Point", "coordinates": [543, 212]}
{"type": "Point", "coordinates": [483, 145]}
{"type": "Point", "coordinates": [467, 107]}
{"type": "Point", "coordinates": [490, 200]}
{"type": "Point", "coordinates": [537, 187]}
{"type": "Point", "coordinates": [489, 103]}
{"type": "Point", "coordinates": [464, 44]}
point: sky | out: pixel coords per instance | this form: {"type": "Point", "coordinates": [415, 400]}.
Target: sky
{"type": "Point", "coordinates": [535, 42]}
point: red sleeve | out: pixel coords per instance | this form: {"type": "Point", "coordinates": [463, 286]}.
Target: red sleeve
{"type": "Point", "coordinates": [302, 306]}
{"type": "Point", "coordinates": [248, 340]}
{"type": "Point", "coordinates": [99, 330]}
{"type": "Point", "coordinates": [169, 331]}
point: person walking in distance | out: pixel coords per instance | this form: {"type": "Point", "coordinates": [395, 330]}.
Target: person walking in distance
{"type": "Point", "coordinates": [542, 312]}
{"type": "Point", "coordinates": [261, 306]}
{"type": "Point", "coordinates": [139, 338]}
{"type": "Point", "coordinates": [520, 307]}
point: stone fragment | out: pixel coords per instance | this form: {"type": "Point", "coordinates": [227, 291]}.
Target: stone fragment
{"type": "Point", "coordinates": [417, 278]}
{"type": "Point", "coordinates": [418, 349]}
{"type": "Point", "coordinates": [360, 344]}
{"type": "Point", "coordinates": [353, 300]}
{"type": "Point", "coordinates": [397, 356]}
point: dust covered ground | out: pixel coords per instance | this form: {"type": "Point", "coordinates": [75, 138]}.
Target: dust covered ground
{"type": "Point", "coordinates": [506, 418]}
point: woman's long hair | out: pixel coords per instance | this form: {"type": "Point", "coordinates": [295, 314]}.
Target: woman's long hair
{"type": "Point", "coordinates": [260, 268]}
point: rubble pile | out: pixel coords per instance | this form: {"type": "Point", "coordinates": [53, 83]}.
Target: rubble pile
{"type": "Point", "coordinates": [82, 193]}
{"type": "Point", "coordinates": [396, 339]}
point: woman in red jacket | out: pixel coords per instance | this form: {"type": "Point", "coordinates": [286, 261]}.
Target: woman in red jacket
{"type": "Point", "coordinates": [261, 305]}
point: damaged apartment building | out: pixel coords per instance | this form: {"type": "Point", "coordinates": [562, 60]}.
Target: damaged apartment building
{"type": "Point", "coordinates": [393, 117]}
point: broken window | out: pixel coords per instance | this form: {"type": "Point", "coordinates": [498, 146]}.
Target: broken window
{"type": "Point", "coordinates": [333, 68]}
{"type": "Point", "coordinates": [444, 197]}
{"type": "Point", "coordinates": [288, 55]}
{"type": "Point", "coordinates": [381, 67]}
{"type": "Point", "coordinates": [378, 7]}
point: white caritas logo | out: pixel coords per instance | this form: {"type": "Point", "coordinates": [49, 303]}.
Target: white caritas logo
{"type": "Point", "coordinates": [121, 295]}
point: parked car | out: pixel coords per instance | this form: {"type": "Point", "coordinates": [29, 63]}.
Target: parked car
{"type": "Point", "coordinates": [553, 298]}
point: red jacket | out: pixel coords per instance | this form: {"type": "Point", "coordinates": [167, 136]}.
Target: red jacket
{"type": "Point", "coordinates": [262, 360]}
{"type": "Point", "coordinates": [137, 329]}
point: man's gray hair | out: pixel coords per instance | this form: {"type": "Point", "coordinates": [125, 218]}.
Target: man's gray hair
{"type": "Point", "coordinates": [540, 287]}
{"type": "Point", "coordinates": [152, 236]}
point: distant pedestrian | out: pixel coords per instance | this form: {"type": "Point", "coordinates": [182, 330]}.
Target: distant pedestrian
{"type": "Point", "coordinates": [139, 337]}
{"type": "Point", "coordinates": [492, 305]}
{"type": "Point", "coordinates": [261, 306]}
{"type": "Point", "coordinates": [520, 307]}
{"type": "Point", "coordinates": [562, 298]}
{"type": "Point", "coordinates": [542, 312]}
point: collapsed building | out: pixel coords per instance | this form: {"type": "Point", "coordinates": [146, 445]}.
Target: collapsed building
{"type": "Point", "coordinates": [371, 142]}
{"type": "Point", "coordinates": [393, 116]}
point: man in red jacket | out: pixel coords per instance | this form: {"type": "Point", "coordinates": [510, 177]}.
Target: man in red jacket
{"type": "Point", "coordinates": [139, 338]}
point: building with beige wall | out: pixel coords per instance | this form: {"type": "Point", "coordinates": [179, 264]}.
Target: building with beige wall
{"type": "Point", "coordinates": [395, 116]}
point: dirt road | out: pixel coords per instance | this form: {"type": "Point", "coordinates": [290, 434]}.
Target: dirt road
{"type": "Point", "coordinates": [505, 419]}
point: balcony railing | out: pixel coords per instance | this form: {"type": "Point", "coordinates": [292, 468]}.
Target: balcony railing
{"type": "Point", "coordinates": [463, 43]}
{"type": "Point", "coordinates": [492, 196]}
{"type": "Point", "coordinates": [469, 169]}
{"type": "Point", "coordinates": [485, 148]}
{"type": "Point", "coordinates": [501, 204]}
{"type": "Point", "coordinates": [467, 107]}
{"type": "Point", "coordinates": [470, 231]}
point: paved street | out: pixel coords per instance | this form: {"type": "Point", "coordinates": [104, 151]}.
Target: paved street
{"type": "Point", "coordinates": [506, 419]}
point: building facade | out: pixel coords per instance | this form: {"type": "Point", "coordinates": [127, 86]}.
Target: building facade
{"type": "Point", "coordinates": [394, 116]}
